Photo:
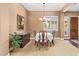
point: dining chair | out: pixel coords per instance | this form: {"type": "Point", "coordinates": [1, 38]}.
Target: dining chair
{"type": "Point", "coordinates": [53, 33]}
{"type": "Point", "coordinates": [42, 40]}
{"type": "Point", "coordinates": [34, 34]}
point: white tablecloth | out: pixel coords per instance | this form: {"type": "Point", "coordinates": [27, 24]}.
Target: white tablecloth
{"type": "Point", "coordinates": [48, 36]}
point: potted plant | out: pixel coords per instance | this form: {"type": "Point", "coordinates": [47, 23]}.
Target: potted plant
{"type": "Point", "coordinates": [14, 41]}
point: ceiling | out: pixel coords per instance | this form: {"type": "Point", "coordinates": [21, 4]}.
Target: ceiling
{"type": "Point", "coordinates": [75, 8]}
{"type": "Point", "coordinates": [49, 7]}
{"type": "Point", "coordinates": [39, 6]}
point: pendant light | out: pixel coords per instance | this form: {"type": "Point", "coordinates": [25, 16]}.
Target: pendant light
{"type": "Point", "coordinates": [42, 18]}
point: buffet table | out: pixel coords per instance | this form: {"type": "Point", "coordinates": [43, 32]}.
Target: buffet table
{"type": "Point", "coordinates": [25, 37]}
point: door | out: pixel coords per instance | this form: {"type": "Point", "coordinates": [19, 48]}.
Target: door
{"type": "Point", "coordinates": [74, 28]}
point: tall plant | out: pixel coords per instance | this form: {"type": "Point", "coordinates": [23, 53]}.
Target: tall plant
{"type": "Point", "coordinates": [15, 40]}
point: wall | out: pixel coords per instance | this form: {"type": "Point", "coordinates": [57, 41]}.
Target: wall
{"type": "Point", "coordinates": [70, 14]}
{"type": "Point", "coordinates": [8, 23]}
{"type": "Point", "coordinates": [17, 9]}
{"type": "Point", "coordinates": [4, 29]}
{"type": "Point", "coordinates": [73, 14]}
{"type": "Point", "coordinates": [34, 22]}
{"type": "Point", "coordinates": [61, 24]}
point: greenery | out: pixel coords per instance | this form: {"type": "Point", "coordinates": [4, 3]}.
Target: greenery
{"type": "Point", "coordinates": [15, 40]}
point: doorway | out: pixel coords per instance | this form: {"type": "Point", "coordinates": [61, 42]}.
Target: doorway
{"type": "Point", "coordinates": [74, 28]}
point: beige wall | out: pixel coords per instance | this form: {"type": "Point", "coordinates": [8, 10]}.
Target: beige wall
{"type": "Point", "coordinates": [17, 9]}
{"type": "Point", "coordinates": [8, 23]}
{"type": "Point", "coordinates": [4, 29]}
{"type": "Point", "coordinates": [61, 24]}
{"type": "Point", "coordinates": [34, 22]}
{"type": "Point", "coordinates": [72, 14]}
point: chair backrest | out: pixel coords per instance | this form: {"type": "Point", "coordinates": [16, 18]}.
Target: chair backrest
{"type": "Point", "coordinates": [42, 35]}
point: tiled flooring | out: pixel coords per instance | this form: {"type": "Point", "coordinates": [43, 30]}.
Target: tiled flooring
{"type": "Point", "coordinates": [61, 48]}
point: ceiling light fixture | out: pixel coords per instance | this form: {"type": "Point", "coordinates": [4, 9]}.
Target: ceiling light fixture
{"type": "Point", "coordinates": [42, 18]}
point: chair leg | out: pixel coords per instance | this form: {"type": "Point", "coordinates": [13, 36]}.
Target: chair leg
{"type": "Point", "coordinates": [53, 42]}
{"type": "Point", "coordinates": [35, 43]}
{"type": "Point", "coordinates": [50, 44]}
{"type": "Point", "coordinates": [47, 43]}
{"type": "Point", "coordinates": [39, 45]}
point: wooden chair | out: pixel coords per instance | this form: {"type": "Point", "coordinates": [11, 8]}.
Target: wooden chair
{"type": "Point", "coordinates": [53, 33]}
{"type": "Point", "coordinates": [52, 42]}
{"type": "Point", "coordinates": [43, 41]}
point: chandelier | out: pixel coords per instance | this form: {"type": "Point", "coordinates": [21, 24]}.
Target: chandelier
{"type": "Point", "coordinates": [42, 18]}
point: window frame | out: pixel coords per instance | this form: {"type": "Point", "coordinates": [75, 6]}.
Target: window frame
{"type": "Point", "coordinates": [54, 19]}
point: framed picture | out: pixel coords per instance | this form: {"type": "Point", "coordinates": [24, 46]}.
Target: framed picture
{"type": "Point", "coordinates": [20, 22]}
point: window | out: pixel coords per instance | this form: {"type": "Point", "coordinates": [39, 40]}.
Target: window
{"type": "Point", "coordinates": [66, 26]}
{"type": "Point", "coordinates": [50, 23]}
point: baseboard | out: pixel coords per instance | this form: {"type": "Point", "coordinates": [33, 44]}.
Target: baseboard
{"type": "Point", "coordinates": [62, 38]}
{"type": "Point", "coordinates": [8, 54]}
{"type": "Point", "coordinates": [32, 38]}
{"type": "Point", "coordinates": [66, 37]}
{"type": "Point", "coordinates": [57, 38]}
